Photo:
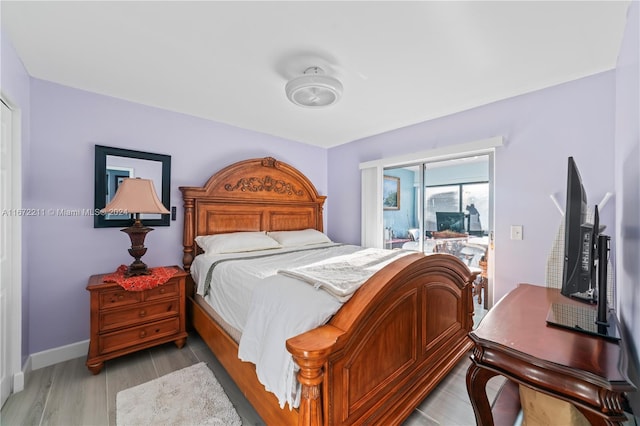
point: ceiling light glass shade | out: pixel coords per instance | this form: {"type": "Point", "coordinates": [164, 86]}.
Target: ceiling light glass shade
{"type": "Point", "coordinates": [314, 89]}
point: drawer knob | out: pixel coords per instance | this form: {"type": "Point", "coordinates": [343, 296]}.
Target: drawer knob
{"type": "Point", "coordinates": [143, 334]}
{"type": "Point", "coordinates": [162, 291]}
{"type": "Point", "coordinates": [143, 313]}
{"type": "Point", "coordinates": [120, 296]}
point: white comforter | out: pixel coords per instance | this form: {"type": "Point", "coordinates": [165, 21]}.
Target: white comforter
{"type": "Point", "coordinates": [269, 308]}
{"type": "Point", "coordinates": [281, 309]}
{"type": "Point", "coordinates": [234, 282]}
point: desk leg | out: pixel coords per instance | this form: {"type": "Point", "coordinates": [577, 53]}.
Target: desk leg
{"type": "Point", "coordinates": [477, 378]}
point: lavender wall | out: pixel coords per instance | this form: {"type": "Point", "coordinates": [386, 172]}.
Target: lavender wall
{"type": "Point", "coordinates": [627, 180]}
{"type": "Point", "coordinates": [541, 130]}
{"type": "Point", "coordinates": [15, 88]}
{"type": "Point", "coordinates": [63, 251]}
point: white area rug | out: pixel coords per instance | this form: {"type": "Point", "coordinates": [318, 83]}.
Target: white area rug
{"type": "Point", "coordinates": [190, 397]}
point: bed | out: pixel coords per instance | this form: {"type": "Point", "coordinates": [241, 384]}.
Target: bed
{"type": "Point", "coordinates": [381, 353]}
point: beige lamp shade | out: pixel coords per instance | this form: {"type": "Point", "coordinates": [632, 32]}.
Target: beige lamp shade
{"type": "Point", "coordinates": [136, 196]}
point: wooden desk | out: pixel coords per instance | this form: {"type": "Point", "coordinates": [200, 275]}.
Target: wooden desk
{"type": "Point", "coordinates": [514, 340]}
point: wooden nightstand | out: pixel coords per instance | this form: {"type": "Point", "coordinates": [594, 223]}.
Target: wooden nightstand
{"type": "Point", "coordinates": [127, 321]}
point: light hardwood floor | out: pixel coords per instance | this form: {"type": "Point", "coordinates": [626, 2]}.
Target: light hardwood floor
{"type": "Point", "coordinates": [67, 394]}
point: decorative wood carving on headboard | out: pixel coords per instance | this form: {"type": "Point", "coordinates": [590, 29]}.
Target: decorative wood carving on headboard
{"type": "Point", "coordinates": [261, 194]}
{"type": "Point", "coordinates": [266, 183]}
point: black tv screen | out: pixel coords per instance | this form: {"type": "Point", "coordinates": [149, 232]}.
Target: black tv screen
{"type": "Point", "coordinates": [453, 221]}
{"type": "Point", "coordinates": [578, 239]}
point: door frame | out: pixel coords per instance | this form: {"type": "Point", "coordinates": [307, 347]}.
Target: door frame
{"type": "Point", "coordinates": [14, 339]}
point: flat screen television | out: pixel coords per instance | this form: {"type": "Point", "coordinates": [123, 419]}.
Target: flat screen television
{"type": "Point", "coordinates": [580, 239]}
{"type": "Point", "coordinates": [585, 253]}
{"type": "Point", "coordinates": [453, 221]}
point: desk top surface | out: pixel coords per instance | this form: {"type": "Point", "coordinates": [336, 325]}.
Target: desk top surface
{"type": "Point", "coordinates": [517, 324]}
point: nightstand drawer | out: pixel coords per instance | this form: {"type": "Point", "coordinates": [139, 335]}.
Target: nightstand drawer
{"type": "Point", "coordinates": [170, 289]}
{"type": "Point", "coordinates": [115, 318]}
{"type": "Point", "coordinates": [136, 335]}
{"type": "Point", "coordinates": [119, 297]}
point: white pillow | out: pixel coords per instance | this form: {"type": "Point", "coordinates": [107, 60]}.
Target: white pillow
{"type": "Point", "coordinates": [299, 238]}
{"type": "Point", "coordinates": [234, 242]}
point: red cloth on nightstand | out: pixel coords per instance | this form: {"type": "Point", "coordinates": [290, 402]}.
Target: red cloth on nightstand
{"type": "Point", "coordinates": [157, 277]}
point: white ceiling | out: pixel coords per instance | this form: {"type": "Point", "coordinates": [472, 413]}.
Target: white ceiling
{"type": "Point", "coordinates": [401, 63]}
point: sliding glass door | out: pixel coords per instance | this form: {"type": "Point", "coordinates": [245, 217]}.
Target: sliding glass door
{"type": "Point", "coordinates": [421, 201]}
{"type": "Point", "coordinates": [402, 196]}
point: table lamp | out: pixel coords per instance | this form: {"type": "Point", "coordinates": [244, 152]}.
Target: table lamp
{"type": "Point", "coordinates": [136, 196]}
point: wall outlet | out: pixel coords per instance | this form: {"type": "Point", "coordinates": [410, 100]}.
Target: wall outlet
{"type": "Point", "coordinates": [516, 232]}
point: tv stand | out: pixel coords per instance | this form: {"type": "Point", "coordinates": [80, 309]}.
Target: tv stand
{"type": "Point", "coordinates": [583, 319]}
{"type": "Point", "coordinates": [588, 296]}
{"type": "Point", "coordinates": [514, 340]}
{"type": "Point", "coordinates": [600, 321]}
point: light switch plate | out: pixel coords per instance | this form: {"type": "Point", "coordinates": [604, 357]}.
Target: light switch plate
{"type": "Point", "coordinates": [516, 232]}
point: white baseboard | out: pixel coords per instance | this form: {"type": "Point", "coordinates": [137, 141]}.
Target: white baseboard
{"type": "Point", "coordinates": [18, 382]}
{"type": "Point", "coordinates": [60, 354]}
{"type": "Point", "coordinates": [47, 358]}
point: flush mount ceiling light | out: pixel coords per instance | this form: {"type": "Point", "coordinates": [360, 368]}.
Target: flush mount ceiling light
{"type": "Point", "coordinates": [314, 89]}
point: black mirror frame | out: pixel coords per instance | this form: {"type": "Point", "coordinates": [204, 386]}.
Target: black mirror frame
{"type": "Point", "coordinates": [101, 152]}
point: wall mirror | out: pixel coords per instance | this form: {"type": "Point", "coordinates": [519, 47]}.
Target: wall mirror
{"type": "Point", "coordinates": [113, 165]}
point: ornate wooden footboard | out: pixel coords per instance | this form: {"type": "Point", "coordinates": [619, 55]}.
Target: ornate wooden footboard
{"type": "Point", "coordinates": [389, 346]}
{"type": "Point", "coordinates": [382, 352]}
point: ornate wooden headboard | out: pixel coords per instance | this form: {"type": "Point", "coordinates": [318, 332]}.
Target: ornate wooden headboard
{"type": "Point", "coordinates": [261, 194]}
